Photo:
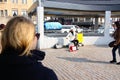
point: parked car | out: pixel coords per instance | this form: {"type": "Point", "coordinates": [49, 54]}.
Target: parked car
{"type": "Point", "coordinates": [101, 30]}
{"type": "Point", "coordinates": [67, 28]}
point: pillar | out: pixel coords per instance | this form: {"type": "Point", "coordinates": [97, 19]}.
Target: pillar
{"type": "Point", "coordinates": [40, 25]}
{"type": "Point", "coordinates": [107, 23]}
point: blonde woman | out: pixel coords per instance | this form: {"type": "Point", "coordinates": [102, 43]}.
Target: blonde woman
{"type": "Point", "coordinates": [17, 60]}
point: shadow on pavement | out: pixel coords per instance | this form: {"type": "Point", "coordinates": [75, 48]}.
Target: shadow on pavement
{"type": "Point", "coordinates": [82, 60]}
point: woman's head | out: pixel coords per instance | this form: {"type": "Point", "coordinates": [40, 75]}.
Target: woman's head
{"type": "Point", "coordinates": [117, 24]}
{"type": "Point", "coordinates": [18, 35]}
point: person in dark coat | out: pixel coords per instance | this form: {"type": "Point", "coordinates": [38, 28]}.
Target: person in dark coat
{"type": "Point", "coordinates": [116, 45]}
{"type": "Point", "coordinates": [18, 59]}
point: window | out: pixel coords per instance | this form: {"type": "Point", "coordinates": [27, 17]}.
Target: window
{"type": "Point", "coordinates": [6, 13]}
{"type": "Point", "coordinates": [14, 1]}
{"type": "Point", "coordinates": [5, 0]}
{"type": "Point", "coordinates": [1, 13]}
{"type": "Point", "coordinates": [34, 1]}
{"type": "Point", "coordinates": [75, 20]}
{"type": "Point", "coordinates": [24, 1]}
{"type": "Point", "coordinates": [24, 12]}
{"type": "Point", "coordinates": [15, 12]}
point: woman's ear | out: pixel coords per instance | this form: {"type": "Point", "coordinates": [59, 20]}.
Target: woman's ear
{"type": "Point", "coordinates": [34, 44]}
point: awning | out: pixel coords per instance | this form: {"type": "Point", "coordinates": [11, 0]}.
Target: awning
{"type": "Point", "coordinates": [58, 7]}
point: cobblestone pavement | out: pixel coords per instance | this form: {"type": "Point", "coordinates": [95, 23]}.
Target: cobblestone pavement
{"type": "Point", "coordinates": [88, 63]}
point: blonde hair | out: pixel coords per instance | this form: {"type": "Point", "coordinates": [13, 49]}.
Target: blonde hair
{"type": "Point", "coordinates": [18, 35]}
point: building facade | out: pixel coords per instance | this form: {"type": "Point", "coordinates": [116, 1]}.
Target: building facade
{"type": "Point", "coordinates": [10, 8]}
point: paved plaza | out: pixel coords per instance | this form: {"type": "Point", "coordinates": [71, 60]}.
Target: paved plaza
{"type": "Point", "coordinates": [88, 63]}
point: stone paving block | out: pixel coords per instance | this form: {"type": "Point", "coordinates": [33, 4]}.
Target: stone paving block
{"type": "Point", "coordinates": [88, 63]}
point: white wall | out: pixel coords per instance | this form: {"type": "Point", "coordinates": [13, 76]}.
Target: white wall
{"type": "Point", "coordinates": [97, 40]}
{"type": "Point", "coordinates": [49, 42]}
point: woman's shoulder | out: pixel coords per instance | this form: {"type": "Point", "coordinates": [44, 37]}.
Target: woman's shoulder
{"type": "Point", "coordinates": [41, 69]}
{"type": "Point", "coordinates": [44, 72]}
{"type": "Point", "coordinates": [26, 66]}
{"type": "Point", "coordinates": [51, 75]}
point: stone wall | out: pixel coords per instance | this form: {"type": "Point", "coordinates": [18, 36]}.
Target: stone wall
{"type": "Point", "coordinates": [4, 20]}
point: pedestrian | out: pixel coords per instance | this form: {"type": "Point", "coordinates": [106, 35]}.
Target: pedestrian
{"type": "Point", "coordinates": [116, 36]}
{"type": "Point", "coordinates": [72, 37]}
{"type": "Point", "coordinates": [19, 58]}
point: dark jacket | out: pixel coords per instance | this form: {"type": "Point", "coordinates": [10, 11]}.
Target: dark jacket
{"type": "Point", "coordinates": [116, 36]}
{"type": "Point", "coordinates": [14, 67]}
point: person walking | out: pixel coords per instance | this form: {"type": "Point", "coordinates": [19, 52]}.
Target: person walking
{"type": "Point", "coordinates": [116, 36]}
{"type": "Point", "coordinates": [19, 58]}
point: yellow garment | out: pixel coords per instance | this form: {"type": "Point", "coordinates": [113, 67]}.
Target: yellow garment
{"type": "Point", "coordinates": [80, 37]}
